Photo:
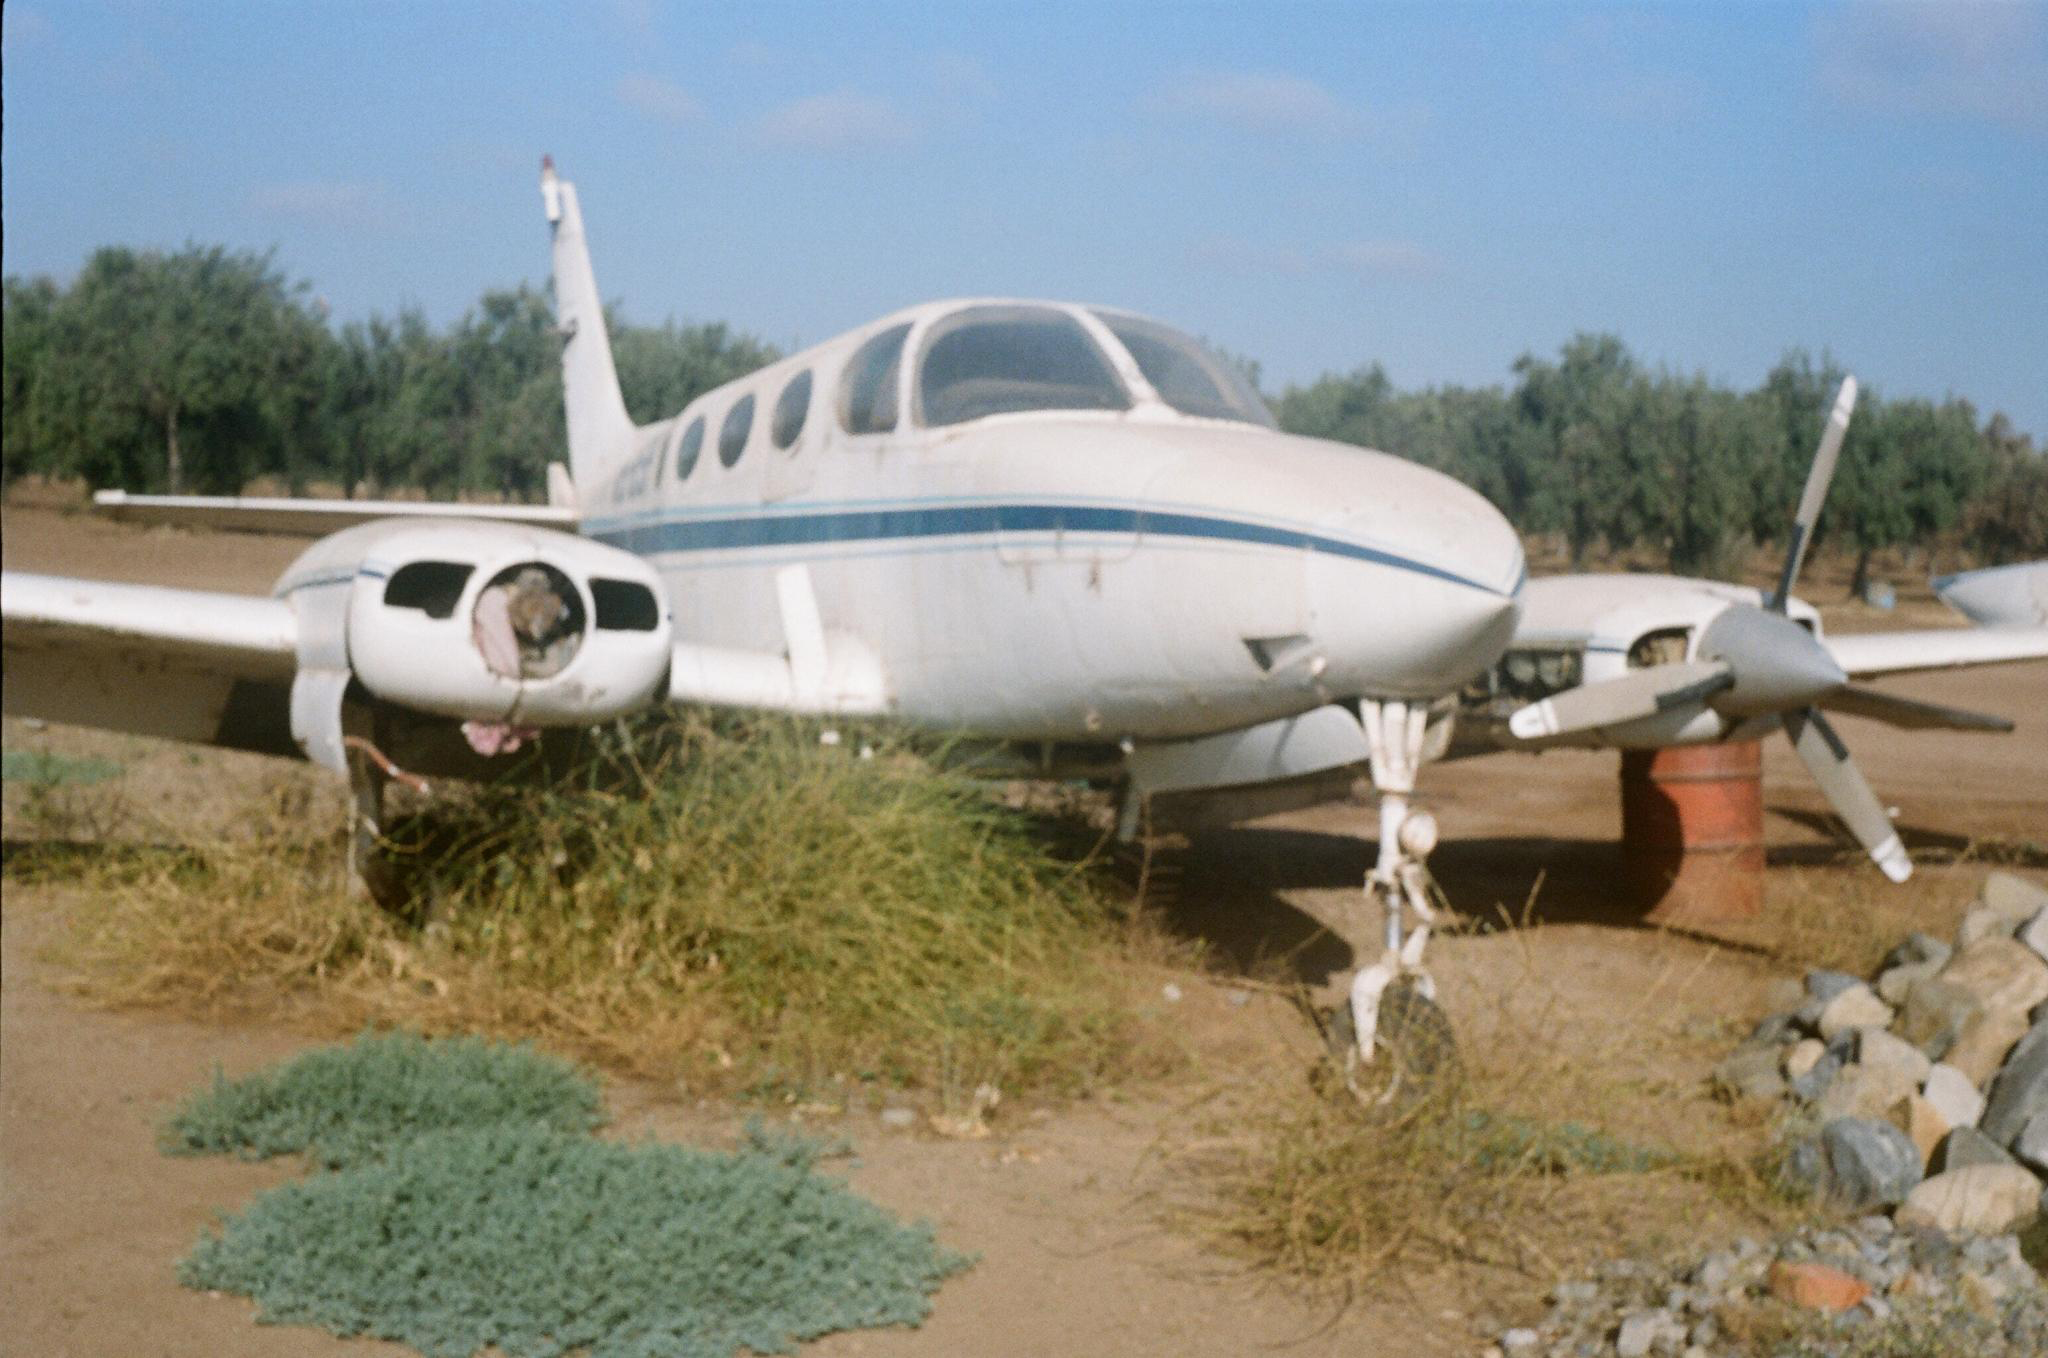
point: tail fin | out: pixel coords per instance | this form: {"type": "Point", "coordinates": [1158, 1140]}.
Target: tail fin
{"type": "Point", "coordinates": [600, 431]}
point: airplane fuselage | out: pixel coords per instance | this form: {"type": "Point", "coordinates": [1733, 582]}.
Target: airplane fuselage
{"type": "Point", "coordinates": [1062, 574]}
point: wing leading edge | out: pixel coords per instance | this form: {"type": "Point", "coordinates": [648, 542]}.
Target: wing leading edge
{"type": "Point", "coordinates": [309, 518]}
{"type": "Point", "coordinates": [179, 663]}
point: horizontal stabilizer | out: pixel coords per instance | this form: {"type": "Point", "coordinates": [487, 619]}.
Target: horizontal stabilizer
{"type": "Point", "coordinates": [1612, 702]}
{"type": "Point", "coordinates": [308, 518]}
{"type": "Point", "coordinates": [1910, 712]}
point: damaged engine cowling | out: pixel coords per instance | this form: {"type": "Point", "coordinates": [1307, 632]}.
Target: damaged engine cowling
{"type": "Point", "coordinates": [483, 622]}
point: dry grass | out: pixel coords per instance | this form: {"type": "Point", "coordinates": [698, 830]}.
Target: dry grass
{"type": "Point", "coordinates": [739, 910]}
{"type": "Point", "coordinates": [1845, 918]}
{"type": "Point", "coordinates": [1570, 1136]}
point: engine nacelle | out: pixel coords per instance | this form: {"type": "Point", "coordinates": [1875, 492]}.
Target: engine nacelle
{"type": "Point", "coordinates": [484, 621]}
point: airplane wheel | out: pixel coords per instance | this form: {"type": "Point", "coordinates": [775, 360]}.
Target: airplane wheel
{"type": "Point", "coordinates": [1417, 1056]}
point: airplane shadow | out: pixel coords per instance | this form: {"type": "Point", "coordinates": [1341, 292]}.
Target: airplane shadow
{"type": "Point", "coordinates": [2015, 853]}
{"type": "Point", "coordinates": [1226, 887]}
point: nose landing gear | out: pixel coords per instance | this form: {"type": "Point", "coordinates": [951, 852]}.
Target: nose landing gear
{"type": "Point", "coordinates": [1390, 1036]}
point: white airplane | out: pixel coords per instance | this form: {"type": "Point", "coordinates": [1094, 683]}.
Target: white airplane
{"type": "Point", "coordinates": [1651, 661]}
{"type": "Point", "coordinates": [1066, 529]}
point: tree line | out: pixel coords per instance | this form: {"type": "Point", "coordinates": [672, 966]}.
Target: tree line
{"type": "Point", "coordinates": [202, 369]}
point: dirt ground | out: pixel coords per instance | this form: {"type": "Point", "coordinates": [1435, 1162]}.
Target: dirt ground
{"type": "Point", "coordinates": [1063, 1205]}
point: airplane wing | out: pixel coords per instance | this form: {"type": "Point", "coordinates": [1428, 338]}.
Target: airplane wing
{"type": "Point", "coordinates": [2016, 595]}
{"type": "Point", "coordinates": [180, 663]}
{"type": "Point", "coordinates": [308, 518]}
{"type": "Point", "coordinates": [1867, 655]}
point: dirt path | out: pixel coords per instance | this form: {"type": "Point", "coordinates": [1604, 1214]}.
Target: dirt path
{"type": "Point", "coordinates": [1062, 1207]}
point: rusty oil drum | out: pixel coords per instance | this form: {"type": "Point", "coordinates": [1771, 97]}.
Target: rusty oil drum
{"type": "Point", "coordinates": [1692, 831]}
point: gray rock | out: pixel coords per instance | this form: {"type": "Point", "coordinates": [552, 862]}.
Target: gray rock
{"type": "Point", "coordinates": [1935, 1014]}
{"type": "Point", "coordinates": [1952, 1095]}
{"type": "Point", "coordinates": [2034, 935]}
{"type": "Point", "coordinates": [1966, 1146]}
{"type": "Point", "coordinates": [1519, 1342]}
{"type": "Point", "coordinates": [1869, 1163]}
{"type": "Point", "coordinates": [1641, 1330]}
{"type": "Point", "coordinates": [2015, 897]}
{"type": "Point", "coordinates": [1916, 948]}
{"type": "Point", "coordinates": [1862, 1091]}
{"type": "Point", "coordinates": [1979, 1199]}
{"type": "Point", "coordinates": [1714, 1271]}
{"type": "Point", "coordinates": [2031, 1145]}
{"type": "Point", "coordinates": [1877, 1048]}
{"type": "Point", "coordinates": [1801, 1055]}
{"type": "Point", "coordinates": [1895, 983]}
{"type": "Point", "coordinates": [1751, 1073]}
{"type": "Point", "coordinates": [1983, 922]}
{"type": "Point", "coordinates": [1824, 985]}
{"type": "Point", "coordinates": [1772, 1031]}
{"type": "Point", "coordinates": [1999, 974]}
{"type": "Point", "coordinates": [899, 1118]}
{"type": "Point", "coordinates": [1853, 1007]}
{"type": "Point", "coordinates": [1818, 1076]}
{"type": "Point", "coordinates": [2021, 1089]}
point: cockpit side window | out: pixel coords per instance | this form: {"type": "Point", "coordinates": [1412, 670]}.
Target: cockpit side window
{"type": "Point", "coordinates": [867, 388]}
{"type": "Point", "coordinates": [997, 360]}
{"type": "Point", "coordinates": [1187, 377]}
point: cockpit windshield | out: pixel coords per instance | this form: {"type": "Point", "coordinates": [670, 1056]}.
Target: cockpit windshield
{"type": "Point", "coordinates": [995, 360]}
{"type": "Point", "coordinates": [1187, 377]}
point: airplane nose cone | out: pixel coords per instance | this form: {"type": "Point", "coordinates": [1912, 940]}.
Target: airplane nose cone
{"type": "Point", "coordinates": [1426, 594]}
{"type": "Point", "coordinates": [1776, 663]}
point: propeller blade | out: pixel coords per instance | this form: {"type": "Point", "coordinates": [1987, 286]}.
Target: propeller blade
{"type": "Point", "coordinates": [1817, 478]}
{"type": "Point", "coordinates": [1640, 693]}
{"type": "Point", "coordinates": [1827, 758]}
{"type": "Point", "coordinates": [1910, 712]}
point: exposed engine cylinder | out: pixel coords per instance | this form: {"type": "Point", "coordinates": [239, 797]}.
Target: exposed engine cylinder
{"type": "Point", "coordinates": [484, 621]}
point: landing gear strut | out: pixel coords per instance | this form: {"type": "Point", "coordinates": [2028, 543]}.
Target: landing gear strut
{"type": "Point", "coordinates": [1391, 1009]}
{"type": "Point", "coordinates": [371, 872]}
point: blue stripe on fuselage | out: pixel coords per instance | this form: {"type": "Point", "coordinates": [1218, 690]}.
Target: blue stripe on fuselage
{"type": "Point", "coordinates": [871, 525]}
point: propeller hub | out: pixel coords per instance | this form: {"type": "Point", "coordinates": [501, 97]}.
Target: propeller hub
{"type": "Point", "coordinates": [1777, 664]}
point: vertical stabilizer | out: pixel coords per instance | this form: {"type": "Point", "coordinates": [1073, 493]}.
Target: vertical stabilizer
{"type": "Point", "coordinates": [600, 431]}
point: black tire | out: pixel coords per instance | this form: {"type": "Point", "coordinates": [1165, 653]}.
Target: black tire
{"type": "Point", "coordinates": [1417, 1056]}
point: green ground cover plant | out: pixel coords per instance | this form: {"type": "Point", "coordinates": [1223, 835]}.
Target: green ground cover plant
{"type": "Point", "coordinates": [545, 1244]}
{"type": "Point", "coordinates": [342, 1105]}
{"type": "Point", "coordinates": [464, 1207]}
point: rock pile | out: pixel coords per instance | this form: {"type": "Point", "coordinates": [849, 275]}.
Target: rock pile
{"type": "Point", "coordinates": [1840, 1291]}
{"type": "Point", "coordinates": [1924, 1089]}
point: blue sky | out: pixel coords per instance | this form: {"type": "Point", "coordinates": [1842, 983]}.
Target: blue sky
{"type": "Point", "coordinates": [1437, 188]}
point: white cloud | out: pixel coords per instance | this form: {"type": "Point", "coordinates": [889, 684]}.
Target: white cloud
{"type": "Point", "coordinates": [1983, 61]}
{"type": "Point", "coordinates": [837, 122]}
{"type": "Point", "coordinates": [663, 100]}
{"type": "Point", "coordinates": [327, 203]}
{"type": "Point", "coordinates": [1268, 102]}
